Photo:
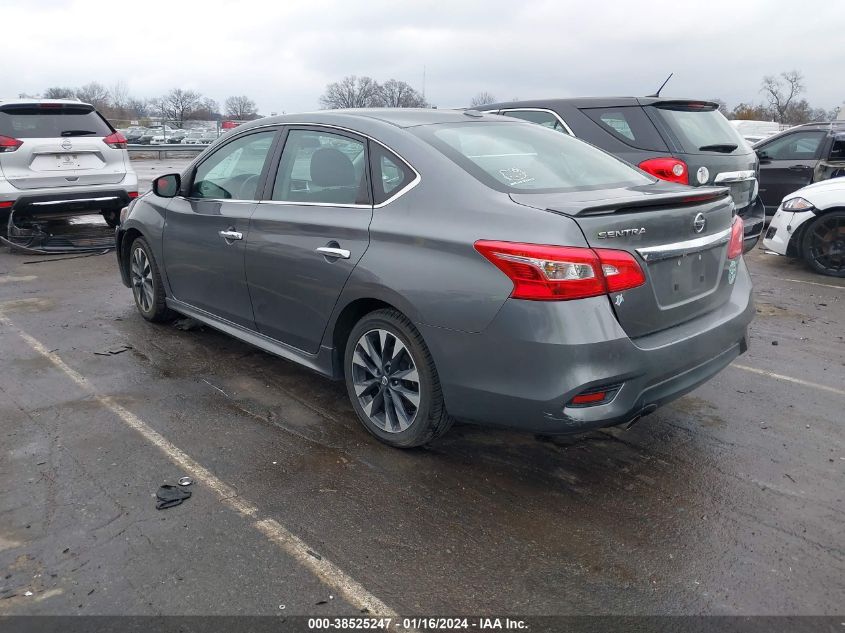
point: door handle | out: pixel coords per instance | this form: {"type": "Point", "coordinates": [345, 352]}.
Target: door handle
{"type": "Point", "coordinates": [799, 167]}
{"type": "Point", "coordinates": [231, 235]}
{"type": "Point", "coordinates": [328, 251]}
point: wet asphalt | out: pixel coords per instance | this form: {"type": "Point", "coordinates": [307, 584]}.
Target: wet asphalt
{"type": "Point", "coordinates": [727, 501]}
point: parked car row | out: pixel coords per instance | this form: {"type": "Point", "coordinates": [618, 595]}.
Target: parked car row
{"type": "Point", "coordinates": [165, 135]}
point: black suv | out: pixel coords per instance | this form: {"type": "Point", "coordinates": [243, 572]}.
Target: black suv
{"type": "Point", "coordinates": [679, 140]}
{"type": "Point", "coordinates": [797, 157]}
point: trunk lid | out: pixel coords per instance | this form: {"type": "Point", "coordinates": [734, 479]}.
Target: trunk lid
{"type": "Point", "coordinates": [684, 259]}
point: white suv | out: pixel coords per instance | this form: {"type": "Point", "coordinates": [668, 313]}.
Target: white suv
{"type": "Point", "coordinates": [60, 156]}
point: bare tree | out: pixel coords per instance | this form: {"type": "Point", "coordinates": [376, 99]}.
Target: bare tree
{"type": "Point", "coordinates": [399, 94]}
{"type": "Point", "coordinates": [241, 108]}
{"type": "Point", "coordinates": [179, 105]}
{"type": "Point", "coordinates": [780, 92]}
{"type": "Point", "coordinates": [57, 92]}
{"type": "Point", "coordinates": [352, 92]}
{"type": "Point", "coordinates": [137, 107]}
{"type": "Point", "coordinates": [750, 112]}
{"type": "Point", "coordinates": [94, 93]}
{"type": "Point", "coordinates": [482, 99]}
{"type": "Point", "coordinates": [207, 110]}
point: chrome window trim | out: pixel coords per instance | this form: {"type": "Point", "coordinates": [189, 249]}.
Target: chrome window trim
{"type": "Point", "coordinates": [675, 249]}
{"type": "Point", "coordinates": [291, 203]}
{"type": "Point", "coordinates": [734, 176]}
{"type": "Point", "coordinates": [552, 112]}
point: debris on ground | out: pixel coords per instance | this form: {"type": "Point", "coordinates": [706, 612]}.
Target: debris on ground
{"type": "Point", "coordinates": [187, 324]}
{"type": "Point", "coordinates": [169, 496]}
{"type": "Point", "coordinates": [114, 350]}
{"type": "Point", "coordinates": [774, 342]}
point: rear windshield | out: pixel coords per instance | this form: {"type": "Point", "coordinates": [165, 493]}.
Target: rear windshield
{"type": "Point", "coordinates": [701, 128]}
{"type": "Point", "coordinates": [525, 158]}
{"type": "Point", "coordinates": [47, 122]}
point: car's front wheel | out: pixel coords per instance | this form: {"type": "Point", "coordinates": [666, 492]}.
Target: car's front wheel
{"type": "Point", "coordinates": [392, 381]}
{"type": "Point", "coordinates": [823, 244]}
{"type": "Point", "coordinates": [147, 287]}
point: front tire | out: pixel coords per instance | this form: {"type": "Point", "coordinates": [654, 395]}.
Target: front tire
{"type": "Point", "coordinates": [823, 244]}
{"type": "Point", "coordinates": [392, 381]}
{"type": "Point", "coordinates": [147, 287]}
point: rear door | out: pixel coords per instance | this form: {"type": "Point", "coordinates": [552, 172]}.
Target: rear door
{"type": "Point", "coordinates": [680, 240]}
{"type": "Point", "coordinates": [62, 146]}
{"type": "Point", "coordinates": [206, 230]}
{"type": "Point", "coordinates": [307, 237]}
{"type": "Point", "coordinates": [787, 164]}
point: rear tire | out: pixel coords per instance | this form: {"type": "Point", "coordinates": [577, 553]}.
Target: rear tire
{"type": "Point", "coordinates": [823, 244]}
{"type": "Point", "coordinates": [147, 287]}
{"type": "Point", "coordinates": [392, 381]}
{"type": "Point", "coordinates": [112, 218]}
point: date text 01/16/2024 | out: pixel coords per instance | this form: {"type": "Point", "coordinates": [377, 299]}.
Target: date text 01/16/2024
{"type": "Point", "coordinates": [416, 624]}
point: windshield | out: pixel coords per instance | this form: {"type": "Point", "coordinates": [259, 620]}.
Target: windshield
{"type": "Point", "coordinates": [701, 128]}
{"type": "Point", "coordinates": [525, 158]}
{"type": "Point", "coordinates": [51, 122]}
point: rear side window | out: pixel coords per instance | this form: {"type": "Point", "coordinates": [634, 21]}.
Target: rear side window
{"type": "Point", "coordinates": [527, 158]}
{"type": "Point", "coordinates": [322, 168]}
{"type": "Point", "coordinates": [795, 146]}
{"type": "Point", "coordinates": [837, 152]}
{"type": "Point", "coordinates": [51, 122]}
{"type": "Point", "coordinates": [390, 174]}
{"type": "Point", "coordinates": [629, 125]}
{"type": "Point", "coordinates": [540, 117]}
{"type": "Point", "coordinates": [700, 128]}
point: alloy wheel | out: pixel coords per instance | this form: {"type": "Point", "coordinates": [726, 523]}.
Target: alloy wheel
{"type": "Point", "coordinates": [386, 380]}
{"type": "Point", "coordinates": [827, 244]}
{"type": "Point", "coordinates": [142, 279]}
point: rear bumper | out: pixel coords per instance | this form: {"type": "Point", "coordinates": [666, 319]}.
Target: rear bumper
{"type": "Point", "coordinates": [79, 200]}
{"type": "Point", "coordinates": [535, 356]}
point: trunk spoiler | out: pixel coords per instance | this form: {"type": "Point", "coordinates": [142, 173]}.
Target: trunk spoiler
{"type": "Point", "coordinates": [633, 202]}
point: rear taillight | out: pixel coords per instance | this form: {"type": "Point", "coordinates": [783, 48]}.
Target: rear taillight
{"type": "Point", "coordinates": [132, 194]}
{"type": "Point", "coordinates": [6, 204]}
{"type": "Point", "coordinates": [115, 141]}
{"type": "Point", "coordinates": [9, 144]}
{"type": "Point", "coordinates": [737, 235]}
{"type": "Point", "coordinates": [557, 273]}
{"type": "Point", "coordinates": [670, 169]}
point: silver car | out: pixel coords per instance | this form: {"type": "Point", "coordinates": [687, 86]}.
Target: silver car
{"type": "Point", "coordinates": [448, 265]}
{"type": "Point", "coordinates": [60, 156]}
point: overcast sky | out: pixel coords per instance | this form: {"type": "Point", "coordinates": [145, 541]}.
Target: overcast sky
{"type": "Point", "coordinates": [283, 53]}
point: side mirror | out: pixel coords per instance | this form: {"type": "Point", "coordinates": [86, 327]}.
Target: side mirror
{"type": "Point", "coordinates": [167, 186]}
{"type": "Point", "coordinates": [762, 155]}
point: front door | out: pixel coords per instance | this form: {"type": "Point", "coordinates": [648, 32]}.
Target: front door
{"type": "Point", "coordinates": [206, 230]}
{"type": "Point", "coordinates": [305, 240]}
{"type": "Point", "coordinates": [787, 164]}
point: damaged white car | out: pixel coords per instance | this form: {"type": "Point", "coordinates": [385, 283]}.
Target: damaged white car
{"type": "Point", "coordinates": [810, 223]}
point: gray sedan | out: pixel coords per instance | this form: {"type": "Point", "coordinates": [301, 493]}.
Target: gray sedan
{"type": "Point", "coordinates": [448, 265]}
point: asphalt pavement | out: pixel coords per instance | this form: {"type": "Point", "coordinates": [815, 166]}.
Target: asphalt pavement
{"type": "Point", "coordinates": [727, 501]}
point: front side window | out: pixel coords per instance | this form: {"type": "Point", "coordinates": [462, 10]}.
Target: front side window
{"type": "Point", "coordinates": [795, 146]}
{"type": "Point", "coordinates": [524, 158]}
{"type": "Point", "coordinates": [322, 168]}
{"type": "Point", "coordinates": [234, 170]}
{"type": "Point", "coordinates": [540, 117]}
{"type": "Point", "coordinates": [390, 174]}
